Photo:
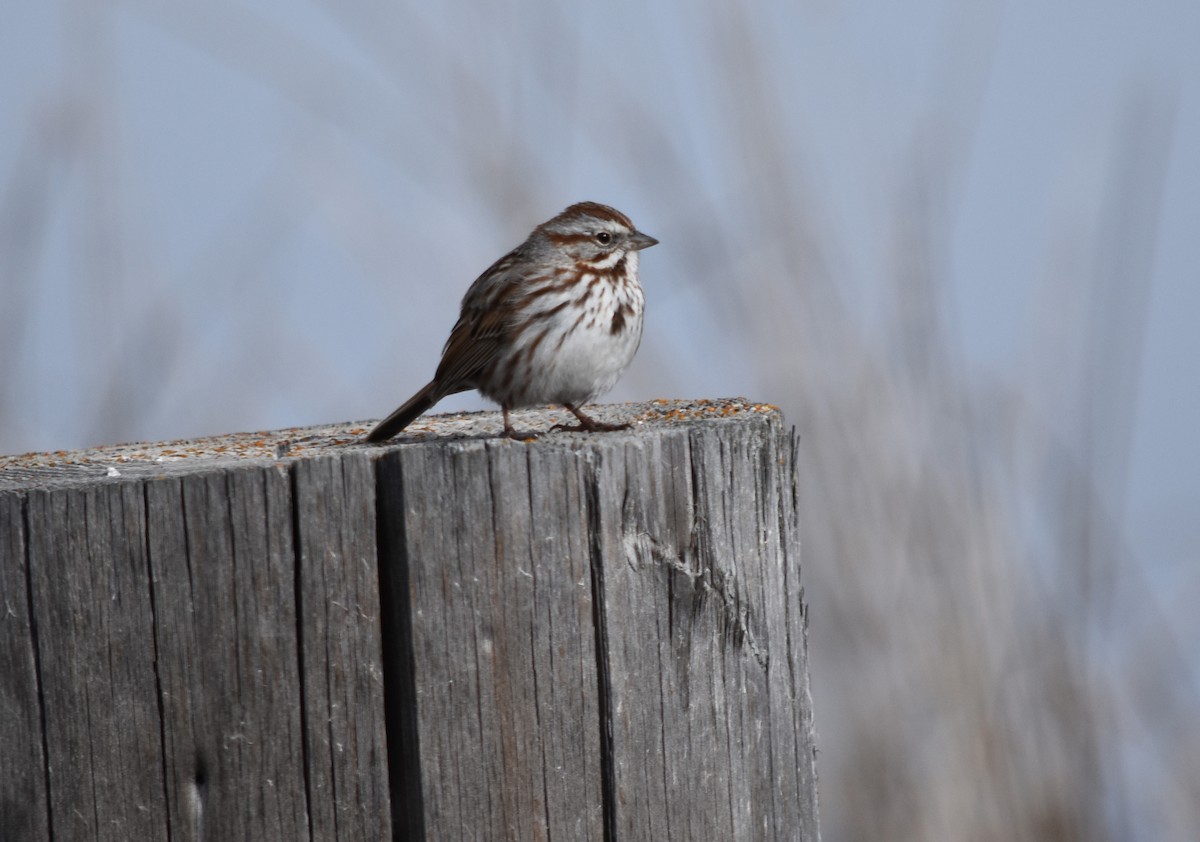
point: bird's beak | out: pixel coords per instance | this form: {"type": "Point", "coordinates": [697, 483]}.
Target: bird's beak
{"type": "Point", "coordinates": [638, 241]}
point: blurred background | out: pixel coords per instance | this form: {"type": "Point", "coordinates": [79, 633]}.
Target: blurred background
{"type": "Point", "coordinates": [957, 243]}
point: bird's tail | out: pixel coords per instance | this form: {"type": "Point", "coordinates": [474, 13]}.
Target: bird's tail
{"type": "Point", "coordinates": [418, 404]}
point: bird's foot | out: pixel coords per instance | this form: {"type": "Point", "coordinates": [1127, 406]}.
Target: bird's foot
{"type": "Point", "coordinates": [586, 424]}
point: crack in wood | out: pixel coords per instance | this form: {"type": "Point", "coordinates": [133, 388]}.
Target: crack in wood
{"type": "Point", "coordinates": [707, 584]}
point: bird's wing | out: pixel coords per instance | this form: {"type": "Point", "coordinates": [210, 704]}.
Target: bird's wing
{"type": "Point", "coordinates": [465, 355]}
{"type": "Point", "coordinates": [483, 324]}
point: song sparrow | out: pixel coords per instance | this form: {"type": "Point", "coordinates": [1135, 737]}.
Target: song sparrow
{"type": "Point", "coordinates": [556, 320]}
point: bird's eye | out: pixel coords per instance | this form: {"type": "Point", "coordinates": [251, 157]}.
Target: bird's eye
{"type": "Point", "coordinates": [604, 238]}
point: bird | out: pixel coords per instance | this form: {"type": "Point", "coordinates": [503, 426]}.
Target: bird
{"type": "Point", "coordinates": [554, 321]}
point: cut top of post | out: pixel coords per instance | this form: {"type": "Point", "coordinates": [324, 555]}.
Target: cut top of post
{"type": "Point", "coordinates": [55, 469]}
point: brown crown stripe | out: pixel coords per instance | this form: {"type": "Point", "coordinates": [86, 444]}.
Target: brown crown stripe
{"type": "Point", "coordinates": [595, 210]}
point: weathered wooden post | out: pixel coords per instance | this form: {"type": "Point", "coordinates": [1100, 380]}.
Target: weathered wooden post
{"type": "Point", "coordinates": [284, 635]}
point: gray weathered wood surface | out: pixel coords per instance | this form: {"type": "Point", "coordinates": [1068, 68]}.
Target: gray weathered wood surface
{"type": "Point", "coordinates": [288, 635]}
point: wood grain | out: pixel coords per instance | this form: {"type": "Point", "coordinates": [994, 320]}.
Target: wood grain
{"type": "Point", "coordinates": [713, 734]}
{"type": "Point", "coordinates": [286, 635]}
{"type": "Point", "coordinates": [223, 566]}
{"type": "Point", "coordinates": [95, 645]}
{"type": "Point", "coordinates": [24, 812]}
{"type": "Point", "coordinates": [500, 630]}
{"type": "Point", "coordinates": [340, 644]}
